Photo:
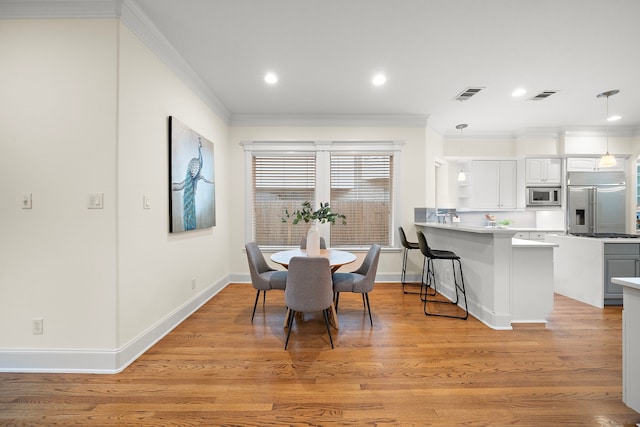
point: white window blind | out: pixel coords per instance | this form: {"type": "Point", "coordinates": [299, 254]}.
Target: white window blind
{"type": "Point", "coordinates": [361, 189]}
{"type": "Point", "coordinates": [281, 182]}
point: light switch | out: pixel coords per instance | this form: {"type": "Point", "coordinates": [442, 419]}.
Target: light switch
{"type": "Point", "coordinates": [146, 201]}
{"type": "Point", "coordinates": [95, 201]}
{"type": "Point", "coordinates": [26, 200]}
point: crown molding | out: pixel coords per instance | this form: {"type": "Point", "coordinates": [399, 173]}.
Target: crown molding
{"type": "Point", "coordinates": [479, 134]}
{"type": "Point", "coordinates": [293, 120]}
{"type": "Point", "coordinates": [26, 9]}
{"type": "Point", "coordinates": [138, 22]}
{"type": "Point", "coordinates": [130, 13]}
{"type": "Point", "coordinates": [615, 131]}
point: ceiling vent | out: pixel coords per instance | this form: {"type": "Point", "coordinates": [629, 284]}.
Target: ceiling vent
{"type": "Point", "coordinates": [543, 95]}
{"type": "Point", "coordinates": [467, 93]}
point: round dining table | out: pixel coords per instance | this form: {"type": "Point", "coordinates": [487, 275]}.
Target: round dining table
{"type": "Point", "coordinates": [337, 259]}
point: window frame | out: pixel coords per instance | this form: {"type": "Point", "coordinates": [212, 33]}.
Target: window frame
{"type": "Point", "coordinates": [323, 151]}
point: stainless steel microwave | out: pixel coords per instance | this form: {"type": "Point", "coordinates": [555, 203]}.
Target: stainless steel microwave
{"type": "Point", "coordinates": [544, 196]}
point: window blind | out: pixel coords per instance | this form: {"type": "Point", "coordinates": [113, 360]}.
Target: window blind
{"type": "Point", "coordinates": [361, 189]}
{"type": "Point", "coordinates": [281, 182]}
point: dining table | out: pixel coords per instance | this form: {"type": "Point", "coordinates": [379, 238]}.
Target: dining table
{"type": "Point", "coordinates": [337, 259]}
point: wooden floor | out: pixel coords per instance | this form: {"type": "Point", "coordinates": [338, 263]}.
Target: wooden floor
{"type": "Point", "coordinates": [217, 368]}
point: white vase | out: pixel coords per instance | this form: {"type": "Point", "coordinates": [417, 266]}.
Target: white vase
{"type": "Point", "coordinates": [313, 241]}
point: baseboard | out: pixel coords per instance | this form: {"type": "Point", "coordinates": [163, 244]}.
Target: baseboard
{"type": "Point", "coordinates": [103, 361]}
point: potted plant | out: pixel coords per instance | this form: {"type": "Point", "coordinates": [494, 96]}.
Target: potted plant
{"type": "Point", "coordinates": [308, 215]}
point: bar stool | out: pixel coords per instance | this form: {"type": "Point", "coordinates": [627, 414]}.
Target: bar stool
{"type": "Point", "coordinates": [406, 247]}
{"type": "Point", "coordinates": [429, 256]}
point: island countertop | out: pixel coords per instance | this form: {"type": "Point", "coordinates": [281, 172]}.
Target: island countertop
{"type": "Point", "coordinates": [458, 226]}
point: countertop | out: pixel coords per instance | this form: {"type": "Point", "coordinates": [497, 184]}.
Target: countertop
{"type": "Point", "coordinates": [521, 243]}
{"type": "Point", "coordinates": [461, 226]}
{"type": "Point", "coordinates": [630, 282]}
{"type": "Point", "coordinates": [627, 240]}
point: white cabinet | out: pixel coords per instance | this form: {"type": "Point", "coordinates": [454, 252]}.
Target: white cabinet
{"type": "Point", "coordinates": [494, 184]}
{"type": "Point", "coordinates": [543, 171]}
{"type": "Point", "coordinates": [591, 164]}
{"type": "Point", "coordinates": [531, 235]}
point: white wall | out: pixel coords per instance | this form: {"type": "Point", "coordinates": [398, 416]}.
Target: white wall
{"type": "Point", "coordinates": [84, 107]}
{"type": "Point", "coordinates": [156, 268]}
{"type": "Point", "coordinates": [57, 133]}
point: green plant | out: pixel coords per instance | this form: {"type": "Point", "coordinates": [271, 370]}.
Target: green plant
{"type": "Point", "coordinates": [505, 222]}
{"type": "Point", "coordinates": [307, 214]}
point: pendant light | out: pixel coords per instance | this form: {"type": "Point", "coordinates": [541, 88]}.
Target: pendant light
{"type": "Point", "coordinates": [607, 160]}
{"type": "Point", "coordinates": [461, 175]}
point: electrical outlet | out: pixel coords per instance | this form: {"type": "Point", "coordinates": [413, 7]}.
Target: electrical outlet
{"type": "Point", "coordinates": [193, 283]}
{"type": "Point", "coordinates": [37, 326]}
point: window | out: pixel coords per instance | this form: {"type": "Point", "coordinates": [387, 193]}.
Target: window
{"type": "Point", "coordinates": [356, 178]}
{"type": "Point", "coordinates": [280, 182]}
{"type": "Point", "coordinates": [361, 190]}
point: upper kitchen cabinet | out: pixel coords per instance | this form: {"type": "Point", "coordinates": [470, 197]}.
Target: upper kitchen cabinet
{"type": "Point", "coordinates": [543, 171]}
{"type": "Point", "coordinates": [494, 184]}
{"type": "Point", "coordinates": [591, 164]}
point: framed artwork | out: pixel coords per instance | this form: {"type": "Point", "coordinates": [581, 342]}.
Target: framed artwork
{"type": "Point", "coordinates": [192, 202]}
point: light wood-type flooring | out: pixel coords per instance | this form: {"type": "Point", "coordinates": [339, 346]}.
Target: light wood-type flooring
{"type": "Point", "coordinates": [219, 369]}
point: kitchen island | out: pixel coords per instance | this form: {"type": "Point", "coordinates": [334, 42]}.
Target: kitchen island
{"type": "Point", "coordinates": [507, 280]}
{"type": "Point", "coordinates": [630, 340]}
{"type": "Point", "coordinates": [584, 267]}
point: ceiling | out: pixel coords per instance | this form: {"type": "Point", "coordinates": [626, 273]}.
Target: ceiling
{"type": "Point", "coordinates": [325, 53]}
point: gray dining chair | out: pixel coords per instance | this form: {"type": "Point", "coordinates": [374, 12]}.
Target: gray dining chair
{"type": "Point", "coordinates": [263, 277]}
{"type": "Point", "coordinates": [309, 288]}
{"type": "Point", "coordinates": [303, 243]}
{"type": "Point", "coordinates": [360, 281]}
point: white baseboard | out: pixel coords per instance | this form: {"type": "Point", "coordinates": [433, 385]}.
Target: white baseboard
{"type": "Point", "coordinates": [101, 361]}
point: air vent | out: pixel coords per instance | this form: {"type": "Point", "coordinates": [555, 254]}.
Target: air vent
{"type": "Point", "coordinates": [543, 95]}
{"type": "Point", "coordinates": [467, 93]}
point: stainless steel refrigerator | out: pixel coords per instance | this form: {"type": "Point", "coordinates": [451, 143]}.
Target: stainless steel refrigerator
{"type": "Point", "coordinates": [596, 202]}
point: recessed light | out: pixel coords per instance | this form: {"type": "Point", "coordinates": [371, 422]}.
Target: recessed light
{"type": "Point", "coordinates": [518, 92]}
{"type": "Point", "coordinates": [379, 79]}
{"type": "Point", "coordinates": [271, 78]}
{"type": "Point", "coordinates": [613, 118]}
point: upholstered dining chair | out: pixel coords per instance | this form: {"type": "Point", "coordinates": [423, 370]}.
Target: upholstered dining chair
{"type": "Point", "coordinates": [360, 281]}
{"type": "Point", "coordinates": [263, 277]}
{"type": "Point", "coordinates": [303, 243]}
{"type": "Point", "coordinates": [309, 288]}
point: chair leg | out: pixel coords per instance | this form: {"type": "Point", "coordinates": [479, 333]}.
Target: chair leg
{"type": "Point", "coordinates": [290, 324]}
{"type": "Point", "coordinates": [255, 304]}
{"type": "Point", "coordinates": [336, 301]}
{"type": "Point", "coordinates": [428, 279]}
{"type": "Point", "coordinates": [326, 322]}
{"type": "Point", "coordinates": [366, 296]}
{"type": "Point", "coordinates": [403, 275]}
{"type": "Point", "coordinates": [458, 287]}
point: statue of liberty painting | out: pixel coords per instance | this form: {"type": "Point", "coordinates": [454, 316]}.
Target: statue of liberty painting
{"type": "Point", "coordinates": [192, 206]}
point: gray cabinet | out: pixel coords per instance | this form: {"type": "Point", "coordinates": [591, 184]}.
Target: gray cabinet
{"type": "Point", "coordinates": [620, 260]}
